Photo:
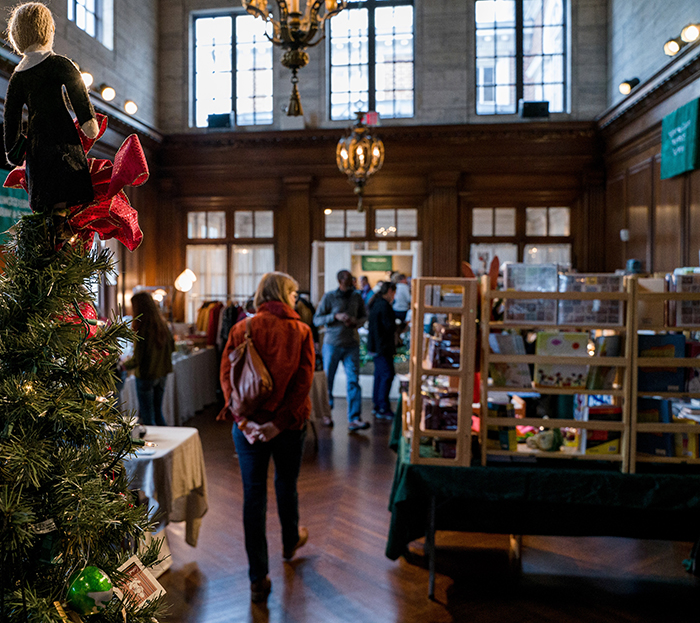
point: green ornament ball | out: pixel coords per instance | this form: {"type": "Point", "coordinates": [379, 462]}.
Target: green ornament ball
{"type": "Point", "coordinates": [89, 591]}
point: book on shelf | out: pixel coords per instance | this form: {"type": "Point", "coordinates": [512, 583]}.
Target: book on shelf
{"type": "Point", "coordinates": [601, 441]}
{"type": "Point", "coordinates": [684, 313]}
{"type": "Point", "coordinates": [656, 411]}
{"type": "Point", "coordinates": [603, 377]}
{"type": "Point", "coordinates": [596, 311]}
{"type": "Point", "coordinates": [661, 379]}
{"type": "Point", "coordinates": [501, 437]}
{"type": "Point", "coordinates": [561, 344]}
{"type": "Point", "coordinates": [530, 278]}
{"type": "Point", "coordinates": [651, 313]}
{"type": "Point", "coordinates": [509, 374]}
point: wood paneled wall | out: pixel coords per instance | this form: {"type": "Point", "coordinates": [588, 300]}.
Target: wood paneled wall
{"type": "Point", "coordinates": [443, 171]}
{"type": "Point", "coordinates": [662, 216]}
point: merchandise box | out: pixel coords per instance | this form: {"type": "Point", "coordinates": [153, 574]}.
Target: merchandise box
{"type": "Point", "coordinates": [595, 312]}
{"type": "Point", "coordinates": [530, 278]}
{"type": "Point", "coordinates": [661, 379]}
{"type": "Point", "coordinates": [602, 441]}
{"type": "Point", "coordinates": [685, 313]}
{"type": "Point", "coordinates": [561, 344]}
{"type": "Point", "coordinates": [501, 437]}
{"type": "Point", "coordinates": [651, 313]}
{"type": "Point", "coordinates": [685, 445]}
{"type": "Point", "coordinates": [654, 411]}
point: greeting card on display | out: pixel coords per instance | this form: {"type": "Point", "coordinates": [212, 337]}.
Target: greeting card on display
{"type": "Point", "coordinates": [530, 278]}
{"type": "Point", "coordinates": [596, 311]}
{"type": "Point", "coordinates": [562, 345]}
{"type": "Point", "coordinates": [140, 586]}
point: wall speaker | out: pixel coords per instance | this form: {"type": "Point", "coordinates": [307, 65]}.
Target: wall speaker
{"type": "Point", "coordinates": [223, 120]}
{"type": "Point", "coordinates": [533, 110]}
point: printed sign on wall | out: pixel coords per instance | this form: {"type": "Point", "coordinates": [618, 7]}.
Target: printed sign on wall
{"type": "Point", "coordinates": [376, 262]}
{"type": "Point", "coordinates": [679, 140]}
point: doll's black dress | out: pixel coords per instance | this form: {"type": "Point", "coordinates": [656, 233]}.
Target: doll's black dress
{"type": "Point", "coordinates": [57, 168]}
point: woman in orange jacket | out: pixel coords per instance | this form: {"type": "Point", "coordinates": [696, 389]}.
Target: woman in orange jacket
{"type": "Point", "coordinates": [286, 347]}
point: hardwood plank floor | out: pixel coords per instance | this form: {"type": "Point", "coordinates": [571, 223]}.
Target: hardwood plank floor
{"type": "Point", "coordinates": [342, 575]}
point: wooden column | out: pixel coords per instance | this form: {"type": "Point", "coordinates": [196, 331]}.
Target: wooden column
{"type": "Point", "coordinates": [442, 226]}
{"type": "Point", "coordinates": [592, 220]}
{"type": "Point", "coordinates": [294, 234]}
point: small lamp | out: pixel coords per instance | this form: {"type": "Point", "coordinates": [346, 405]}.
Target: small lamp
{"type": "Point", "coordinates": [627, 86]}
{"type": "Point", "coordinates": [130, 107]}
{"type": "Point", "coordinates": [673, 46]}
{"type": "Point", "coordinates": [107, 92]}
{"type": "Point", "coordinates": [690, 33]}
{"type": "Point", "coordinates": [87, 78]}
{"type": "Point", "coordinates": [185, 280]}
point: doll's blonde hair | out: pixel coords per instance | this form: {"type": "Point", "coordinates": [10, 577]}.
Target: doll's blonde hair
{"type": "Point", "coordinates": [29, 24]}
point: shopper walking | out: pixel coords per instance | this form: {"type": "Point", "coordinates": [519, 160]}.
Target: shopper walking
{"type": "Point", "coordinates": [382, 343]}
{"type": "Point", "coordinates": [286, 347]}
{"type": "Point", "coordinates": [402, 301]}
{"type": "Point", "coordinates": [152, 360]}
{"type": "Point", "coordinates": [342, 311]}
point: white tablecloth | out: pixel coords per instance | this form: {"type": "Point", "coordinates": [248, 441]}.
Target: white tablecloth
{"type": "Point", "coordinates": [190, 387]}
{"type": "Point", "coordinates": [173, 477]}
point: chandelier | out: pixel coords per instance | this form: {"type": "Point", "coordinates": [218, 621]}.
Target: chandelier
{"type": "Point", "coordinates": [359, 155]}
{"type": "Point", "coordinates": [294, 32]}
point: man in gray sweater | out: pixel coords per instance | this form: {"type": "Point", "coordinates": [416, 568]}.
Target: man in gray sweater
{"type": "Point", "coordinates": [342, 311]}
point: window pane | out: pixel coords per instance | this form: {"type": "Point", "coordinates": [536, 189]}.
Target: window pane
{"type": "Point", "coordinates": [335, 224]}
{"type": "Point", "coordinates": [216, 224]}
{"type": "Point", "coordinates": [208, 263]}
{"type": "Point", "coordinates": [553, 40]}
{"type": "Point", "coordinates": [248, 265]}
{"type": "Point", "coordinates": [349, 48]}
{"type": "Point", "coordinates": [553, 12]}
{"type": "Point", "coordinates": [482, 222]}
{"type": "Point", "coordinates": [532, 70]}
{"type": "Point", "coordinates": [532, 12]}
{"type": "Point", "coordinates": [480, 255]}
{"type": "Point", "coordinates": [254, 76]}
{"type": "Point", "coordinates": [384, 223]}
{"type": "Point", "coordinates": [486, 42]}
{"type": "Point", "coordinates": [533, 93]}
{"type": "Point", "coordinates": [355, 224]}
{"type": "Point", "coordinates": [213, 69]}
{"type": "Point", "coordinates": [505, 42]}
{"type": "Point", "coordinates": [505, 221]}
{"type": "Point", "coordinates": [554, 94]}
{"type": "Point", "coordinates": [243, 224]}
{"type": "Point", "coordinates": [559, 221]}
{"type": "Point", "coordinates": [536, 221]}
{"type": "Point", "coordinates": [407, 222]}
{"type": "Point", "coordinates": [553, 69]}
{"type": "Point", "coordinates": [548, 253]}
{"type": "Point", "coordinates": [504, 12]}
{"type": "Point", "coordinates": [196, 224]}
{"type": "Point", "coordinates": [264, 224]}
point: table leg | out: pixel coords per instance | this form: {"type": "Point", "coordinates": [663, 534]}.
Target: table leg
{"type": "Point", "coordinates": [515, 553]}
{"type": "Point", "coordinates": [430, 548]}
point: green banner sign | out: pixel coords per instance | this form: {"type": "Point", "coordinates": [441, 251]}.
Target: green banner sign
{"type": "Point", "coordinates": [679, 140]}
{"type": "Point", "coordinates": [14, 204]}
{"type": "Point", "coordinates": [376, 262]}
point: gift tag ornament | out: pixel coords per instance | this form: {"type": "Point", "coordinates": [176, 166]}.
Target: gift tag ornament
{"type": "Point", "coordinates": [90, 591]}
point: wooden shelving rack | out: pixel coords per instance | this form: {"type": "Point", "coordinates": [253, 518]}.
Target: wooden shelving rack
{"type": "Point", "coordinates": [462, 378]}
{"type": "Point", "coordinates": [659, 362]}
{"type": "Point", "coordinates": [621, 394]}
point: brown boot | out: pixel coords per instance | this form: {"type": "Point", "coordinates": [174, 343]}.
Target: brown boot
{"type": "Point", "coordinates": [303, 538]}
{"type": "Point", "coordinates": [260, 589]}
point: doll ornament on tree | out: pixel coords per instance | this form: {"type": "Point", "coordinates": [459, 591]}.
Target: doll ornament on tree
{"type": "Point", "coordinates": [56, 166]}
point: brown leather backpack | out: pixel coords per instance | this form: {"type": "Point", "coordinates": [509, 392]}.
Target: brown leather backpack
{"type": "Point", "coordinates": [251, 383]}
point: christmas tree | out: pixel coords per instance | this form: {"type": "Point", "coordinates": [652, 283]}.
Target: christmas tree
{"type": "Point", "coordinates": [68, 520]}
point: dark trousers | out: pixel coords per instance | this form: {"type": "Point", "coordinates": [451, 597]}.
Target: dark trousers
{"type": "Point", "coordinates": [254, 459]}
{"type": "Point", "coordinates": [150, 395]}
{"type": "Point", "coordinates": [383, 378]}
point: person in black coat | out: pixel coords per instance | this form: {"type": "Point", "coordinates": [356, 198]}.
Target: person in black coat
{"type": "Point", "coordinates": [56, 166]}
{"type": "Point", "coordinates": [381, 342]}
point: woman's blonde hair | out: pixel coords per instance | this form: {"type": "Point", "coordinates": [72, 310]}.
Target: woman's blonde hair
{"type": "Point", "coordinates": [275, 286]}
{"type": "Point", "coordinates": [29, 24]}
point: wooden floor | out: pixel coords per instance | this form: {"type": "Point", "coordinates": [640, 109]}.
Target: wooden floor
{"type": "Point", "coordinates": [342, 574]}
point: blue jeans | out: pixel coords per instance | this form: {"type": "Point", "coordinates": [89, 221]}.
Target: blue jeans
{"type": "Point", "coordinates": [150, 394]}
{"type": "Point", "coordinates": [254, 459]}
{"type": "Point", "coordinates": [383, 378]}
{"type": "Point", "coordinates": [350, 356]}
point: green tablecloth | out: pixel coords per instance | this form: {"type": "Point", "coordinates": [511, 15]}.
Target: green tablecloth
{"type": "Point", "coordinates": [541, 500]}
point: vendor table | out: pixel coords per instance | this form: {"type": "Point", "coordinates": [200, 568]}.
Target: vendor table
{"type": "Point", "coordinates": [537, 500]}
{"type": "Point", "coordinates": [190, 386]}
{"type": "Point", "coordinates": [173, 477]}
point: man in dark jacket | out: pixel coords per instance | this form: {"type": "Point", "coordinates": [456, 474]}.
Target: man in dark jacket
{"type": "Point", "coordinates": [381, 342]}
{"type": "Point", "coordinates": [342, 311]}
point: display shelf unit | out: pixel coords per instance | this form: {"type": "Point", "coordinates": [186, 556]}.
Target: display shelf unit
{"type": "Point", "coordinates": [620, 393]}
{"type": "Point", "coordinates": [427, 292]}
{"type": "Point", "coordinates": [659, 362]}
